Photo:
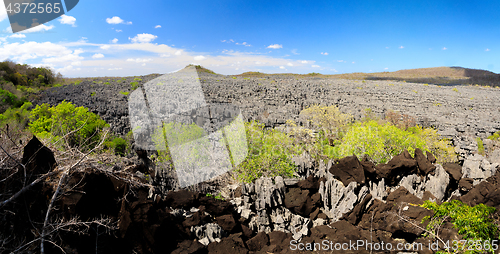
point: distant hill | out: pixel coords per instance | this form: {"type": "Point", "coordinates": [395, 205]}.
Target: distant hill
{"type": "Point", "coordinates": [435, 75]}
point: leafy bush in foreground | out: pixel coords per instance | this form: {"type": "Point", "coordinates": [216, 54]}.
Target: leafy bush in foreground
{"type": "Point", "coordinates": [473, 223]}
{"type": "Point", "coordinates": [269, 154]}
{"type": "Point", "coordinates": [83, 128]}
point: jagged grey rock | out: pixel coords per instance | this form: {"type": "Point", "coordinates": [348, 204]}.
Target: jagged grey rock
{"type": "Point", "coordinates": [378, 190]}
{"type": "Point", "coordinates": [413, 183]}
{"type": "Point", "coordinates": [208, 233]}
{"type": "Point", "coordinates": [438, 183]}
{"type": "Point", "coordinates": [477, 168]}
{"type": "Point", "coordinates": [338, 199]}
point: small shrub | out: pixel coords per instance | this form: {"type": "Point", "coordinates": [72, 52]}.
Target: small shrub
{"type": "Point", "coordinates": [84, 127]}
{"type": "Point", "coordinates": [125, 93]}
{"type": "Point", "coordinates": [78, 82]}
{"type": "Point", "coordinates": [134, 85]}
{"type": "Point", "coordinates": [473, 223]}
{"type": "Point", "coordinates": [269, 154]}
{"type": "Point", "coordinates": [17, 117]}
{"type": "Point", "coordinates": [455, 89]}
{"type": "Point", "coordinates": [137, 79]}
{"type": "Point", "coordinates": [120, 146]}
{"type": "Point", "coordinates": [106, 83]}
{"type": "Point", "coordinates": [495, 136]}
{"type": "Point", "coordinates": [402, 121]}
{"type": "Point", "coordinates": [92, 94]}
{"type": "Point", "coordinates": [328, 119]}
{"type": "Point", "coordinates": [480, 146]}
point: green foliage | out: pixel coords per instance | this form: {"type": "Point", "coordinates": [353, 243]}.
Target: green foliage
{"type": "Point", "coordinates": [480, 146]}
{"type": "Point", "coordinates": [10, 99]}
{"type": "Point", "coordinates": [384, 141]}
{"type": "Point", "coordinates": [120, 146]}
{"type": "Point", "coordinates": [16, 117]}
{"type": "Point", "coordinates": [178, 134]}
{"type": "Point", "coordinates": [455, 89]}
{"type": "Point", "coordinates": [137, 79]}
{"type": "Point", "coordinates": [125, 93]}
{"type": "Point", "coordinates": [92, 94]}
{"type": "Point", "coordinates": [495, 136]}
{"type": "Point", "coordinates": [77, 82]}
{"type": "Point", "coordinates": [218, 196]}
{"type": "Point", "coordinates": [473, 223]}
{"type": "Point", "coordinates": [327, 118]}
{"type": "Point", "coordinates": [269, 154]}
{"type": "Point", "coordinates": [83, 128]}
{"type": "Point", "coordinates": [134, 85]}
{"type": "Point", "coordinates": [107, 83]}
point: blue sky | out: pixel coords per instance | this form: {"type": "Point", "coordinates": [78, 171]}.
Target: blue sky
{"type": "Point", "coordinates": [124, 38]}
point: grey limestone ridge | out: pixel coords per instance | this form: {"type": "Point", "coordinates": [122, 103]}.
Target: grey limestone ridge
{"type": "Point", "coordinates": [460, 113]}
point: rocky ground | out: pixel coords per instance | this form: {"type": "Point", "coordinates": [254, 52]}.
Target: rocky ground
{"type": "Point", "coordinates": [330, 207]}
{"type": "Point", "coordinates": [329, 203]}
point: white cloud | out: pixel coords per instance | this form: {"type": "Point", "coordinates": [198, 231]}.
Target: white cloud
{"type": "Point", "coordinates": [178, 52]}
{"type": "Point", "coordinates": [117, 30]}
{"type": "Point", "coordinates": [117, 20]}
{"type": "Point", "coordinates": [164, 55]}
{"type": "Point", "coordinates": [114, 40]}
{"type": "Point", "coordinates": [33, 50]}
{"type": "Point", "coordinates": [353, 62]}
{"type": "Point", "coordinates": [282, 67]}
{"type": "Point", "coordinates": [158, 26]}
{"type": "Point", "coordinates": [387, 47]}
{"type": "Point", "coordinates": [324, 53]}
{"type": "Point", "coordinates": [401, 47]}
{"type": "Point", "coordinates": [114, 69]}
{"type": "Point", "coordinates": [199, 58]}
{"type": "Point", "coordinates": [386, 68]}
{"type": "Point", "coordinates": [444, 48]}
{"type": "Point", "coordinates": [39, 28]}
{"type": "Point", "coordinates": [105, 47]}
{"type": "Point", "coordinates": [304, 62]}
{"type": "Point", "coordinates": [99, 55]}
{"type": "Point", "coordinates": [275, 46]}
{"type": "Point", "coordinates": [18, 36]}
{"type": "Point", "coordinates": [289, 64]}
{"type": "Point", "coordinates": [68, 20]}
{"type": "Point", "coordinates": [143, 38]}
{"type": "Point", "coordinates": [294, 51]}
{"type": "Point", "coordinates": [487, 50]}
{"type": "Point", "coordinates": [244, 43]}
{"type": "Point", "coordinates": [315, 66]}
{"type": "Point", "coordinates": [340, 61]}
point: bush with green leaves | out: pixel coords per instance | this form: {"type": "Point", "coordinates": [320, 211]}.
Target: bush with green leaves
{"type": "Point", "coordinates": [384, 141]}
{"type": "Point", "coordinates": [328, 119]}
{"type": "Point", "coordinates": [16, 118]}
{"type": "Point", "coordinates": [83, 128]}
{"type": "Point", "coordinates": [269, 154]}
{"type": "Point", "coordinates": [475, 224]}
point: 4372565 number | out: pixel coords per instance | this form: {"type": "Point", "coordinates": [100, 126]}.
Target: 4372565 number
{"type": "Point", "coordinates": [33, 8]}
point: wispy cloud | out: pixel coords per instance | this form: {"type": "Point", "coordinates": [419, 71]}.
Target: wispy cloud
{"type": "Point", "coordinates": [275, 46]}
{"type": "Point", "coordinates": [97, 56]}
{"type": "Point", "coordinates": [17, 35]}
{"type": "Point", "coordinates": [158, 26]}
{"type": "Point", "coordinates": [315, 66]}
{"type": "Point", "coordinates": [324, 53]}
{"type": "Point", "coordinates": [444, 48]}
{"type": "Point", "coordinates": [294, 51]}
{"type": "Point", "coordinates": [487, 50]}
{"type": "Point", "coordinates": [114, 40]}
{"type": "Point", "coordinates": [401, 47]}
{"type": "Point", "coordinates": [244, 44]}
